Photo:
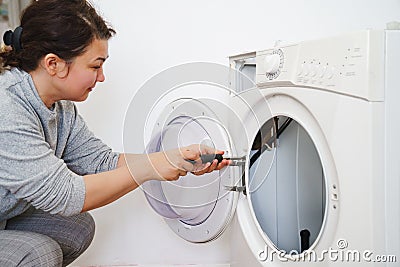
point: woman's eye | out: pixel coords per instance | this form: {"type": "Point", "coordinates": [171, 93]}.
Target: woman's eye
{"type": "Point", "coordinates": [96, 67]}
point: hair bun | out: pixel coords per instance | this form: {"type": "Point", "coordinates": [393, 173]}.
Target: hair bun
{"type": "Point", "coordinates": [13, 38]}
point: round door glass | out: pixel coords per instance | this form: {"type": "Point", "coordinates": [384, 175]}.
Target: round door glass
{"type": "Point", "coordinates": [288, 197]}
{"type": "Point", "coordinates": [191, 198]}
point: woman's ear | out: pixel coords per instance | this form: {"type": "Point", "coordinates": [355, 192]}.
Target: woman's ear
{"type": "Point", "coordinates": [54, 65]}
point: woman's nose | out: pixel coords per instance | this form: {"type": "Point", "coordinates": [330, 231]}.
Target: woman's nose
{"type": "Point", "coordinates": [100, 75]}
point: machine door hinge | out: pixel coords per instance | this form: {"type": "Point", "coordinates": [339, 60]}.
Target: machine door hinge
{"type": "Point", "coordinates": [236, 188]}
{"type": "Point", "coordinates": [239, 186]}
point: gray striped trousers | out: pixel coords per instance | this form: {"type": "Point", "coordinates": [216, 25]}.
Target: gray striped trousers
{"type": "Point", "coordinates": [37, 238]}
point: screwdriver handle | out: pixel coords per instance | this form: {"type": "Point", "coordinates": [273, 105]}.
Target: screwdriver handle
{"type": "Point", "coordinates": [207, 158]}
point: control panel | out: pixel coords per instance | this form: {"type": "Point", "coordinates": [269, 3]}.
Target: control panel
{"type": "Point", "coordinates": [350, 64]}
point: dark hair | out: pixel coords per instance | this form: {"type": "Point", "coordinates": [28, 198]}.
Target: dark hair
{"type": "Point", "coordinates": [64, 28]}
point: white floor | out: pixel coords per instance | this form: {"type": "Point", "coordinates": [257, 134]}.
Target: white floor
{"type": "Point", "coordinates": [163, 265]}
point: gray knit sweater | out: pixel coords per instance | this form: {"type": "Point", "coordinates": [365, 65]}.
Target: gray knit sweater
{"type": "Point", "coordinates": [44, 152]}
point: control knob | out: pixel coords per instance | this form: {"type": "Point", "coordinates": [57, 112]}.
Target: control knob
{"type": "Point", "coordinates": [273, 63]}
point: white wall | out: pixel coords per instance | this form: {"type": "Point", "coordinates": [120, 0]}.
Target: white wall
{"type": "Point", "coordinates": [154, 35]}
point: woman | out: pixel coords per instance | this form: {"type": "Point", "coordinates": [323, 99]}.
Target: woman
{"type": "Point", "coordinates": [53, 169]}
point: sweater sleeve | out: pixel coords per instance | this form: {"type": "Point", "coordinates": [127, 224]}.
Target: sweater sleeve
{"type": "Point", "coordinates": [29, 168]}
{"type": "Point", "coordinates": [86, 154]}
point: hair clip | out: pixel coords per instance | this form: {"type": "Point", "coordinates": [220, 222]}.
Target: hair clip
{"type": "Point", "coordinates": [13, 38]}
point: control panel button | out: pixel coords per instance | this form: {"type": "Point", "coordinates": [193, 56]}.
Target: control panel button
{"type": "Point", "coordinates": [322, 71]}
{"type": "Point", "coordinates": [313, 70]}
{"type": "Point", "coordinates": [330, 72]}
{"type": "Point", "coordinates": [306, 69]}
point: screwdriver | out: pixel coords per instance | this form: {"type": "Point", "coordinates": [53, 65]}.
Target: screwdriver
{"type": "Point", "coordinates": [235, 161]}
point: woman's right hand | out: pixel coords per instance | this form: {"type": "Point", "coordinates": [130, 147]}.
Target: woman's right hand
{"type": "Point", "coordinates": [171, 164]}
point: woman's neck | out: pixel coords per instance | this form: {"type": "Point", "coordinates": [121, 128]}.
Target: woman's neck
{"type": "Point", "coordinates": [43, 85]}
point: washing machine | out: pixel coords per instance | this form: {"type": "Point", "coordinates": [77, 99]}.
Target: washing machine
{"type": "Point", "coordinates": [313, 130]}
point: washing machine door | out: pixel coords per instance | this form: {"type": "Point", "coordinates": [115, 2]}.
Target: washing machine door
{"type": "Point", "coordinates": [197, 208]}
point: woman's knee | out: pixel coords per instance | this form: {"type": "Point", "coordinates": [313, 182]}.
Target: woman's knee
{"type": "Point", "coordinates": [87, 230]}
{"type": "Point", "coordinates": [74, 234]}
{"type": "Point", "coordinates": [29, 249]}
{"type": "Point", "coordinates": [79, 238]}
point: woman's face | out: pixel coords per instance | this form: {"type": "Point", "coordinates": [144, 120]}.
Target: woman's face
{"type": "Point", "coordinates": [85, 71]}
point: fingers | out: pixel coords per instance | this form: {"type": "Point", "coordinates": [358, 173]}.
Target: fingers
{"type": "Point", "coordinates": [182, 173]}
{"type": "Point", "coordinates": [190, 153]}
{"type": "Point", "coordinates": [205, 168]}
{"type": "Point", "coordinates": [193, 153]}
{"type": "Point", "coordinates": [210, 150]}
{"type": "Point", "coordinates": [176, 176]}
{"type": "Point", "coordinates": [222, 164]}
{"type": "Point", "coordinates": [209, 167]}
{"type": "Point", "coordinates": [187, 166]}
{"type": "Point", "coordinates": [203, 149]}
{"type": "Point", "coordinates": [200, 169]}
